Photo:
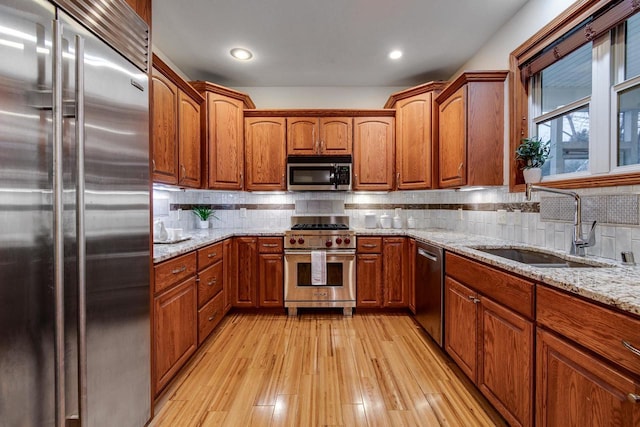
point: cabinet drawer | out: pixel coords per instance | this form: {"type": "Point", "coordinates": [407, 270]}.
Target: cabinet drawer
{"type": "Point", "coordinates": [174, 271]}
{"type": "Point", "coordinates": [210, 282]}
{"type": "Point", "coordinates": [209, 316]}
{"type": "Point", "coordinates": [512, 291]}
{"type": "Point", "coordinates": [270, 245]}
{"type": "Point", "coordinates": [599, 329]}
{"type": "Point", "coordinates": [209, 255]}
{"type": "Point", "coordinates": [369, 245]}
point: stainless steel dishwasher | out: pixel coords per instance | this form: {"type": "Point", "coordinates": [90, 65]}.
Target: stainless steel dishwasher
{"type": "Point", "coordinates": [429, 284]}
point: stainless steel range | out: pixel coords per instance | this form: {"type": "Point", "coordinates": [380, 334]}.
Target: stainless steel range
{"type": "Point", "coordinates": [319, 260]}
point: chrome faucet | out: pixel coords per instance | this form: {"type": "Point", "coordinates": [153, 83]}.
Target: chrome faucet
{"type": "Point", "coordinates": [578, 243]}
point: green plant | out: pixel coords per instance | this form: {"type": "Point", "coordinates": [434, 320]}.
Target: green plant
{"type": "Point", "coordinates": [204, 212]}
{"type": "Point", "coordinates": [533, 152]}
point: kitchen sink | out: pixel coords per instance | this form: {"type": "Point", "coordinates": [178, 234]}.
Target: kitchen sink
{"type": "Point", "coordinates": [537, 259]}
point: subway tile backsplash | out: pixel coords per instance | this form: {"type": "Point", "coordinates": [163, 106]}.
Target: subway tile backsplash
{"type": "Point", "coordinates": [545, 221]}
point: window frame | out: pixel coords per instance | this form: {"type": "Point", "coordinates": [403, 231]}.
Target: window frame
{"type": "Point", "coordinates": [602, 105]}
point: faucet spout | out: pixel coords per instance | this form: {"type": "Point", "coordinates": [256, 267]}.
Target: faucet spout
{"type": "Point", "coordinates": [578, 244]}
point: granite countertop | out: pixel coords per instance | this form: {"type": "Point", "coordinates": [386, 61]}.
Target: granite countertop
{"type": "Point", "coordinates": [613, 284]}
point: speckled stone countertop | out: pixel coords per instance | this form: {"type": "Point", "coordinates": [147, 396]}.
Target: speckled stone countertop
{"type": "Point", "coordinates": [612, 284]}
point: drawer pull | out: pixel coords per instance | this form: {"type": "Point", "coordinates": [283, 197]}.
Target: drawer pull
{"type": "Point", "coordinates": [179, 270]}
{"type": "Point", "coordinates": [270, 245]}
{"type": "Point", "coordinates": [212, 255]}
{"type": "Point", "coordinates": [369, 245]}
{"type": "Point", "coordinates": [212, 282]}
{"type": "Point", "coordinates": [631, 348]}
{"type": "Point", "coordinates": [473, 299]}
{"type": "Point", "coordinates": [635, 398]}
{"type": "Point", "coordinates": [213, 316]}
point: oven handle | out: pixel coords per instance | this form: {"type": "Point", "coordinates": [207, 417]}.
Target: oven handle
{"type": "Point", "coordinates": [348, 252]}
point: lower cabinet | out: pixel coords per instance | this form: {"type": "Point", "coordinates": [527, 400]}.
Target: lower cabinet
{"type": "Point", "coordinates": [382, 272]}
{"type": "Point", "coordinates": [245, 293]}
{"type": "Point", "coordinates": [271, 273]}
{"type": "Point", "coordinates": [491, 342]}
{"type": "Point", "coordinates": [211, 278]}
{"type": "Point", "coordinates": [260, 281]}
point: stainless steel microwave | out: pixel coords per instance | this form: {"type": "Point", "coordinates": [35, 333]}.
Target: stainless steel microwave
{"type": "Point", "coordinates": [319, 173]}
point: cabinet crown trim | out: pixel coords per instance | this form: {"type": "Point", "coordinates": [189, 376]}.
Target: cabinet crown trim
{"type": "Point", "coordinates": [203, 86]}
{"type": "Point", "coordinates": [471, 77]}
{"type": "Point", "coordinates": [162, 67]}
{"type": "Point", "coordinates": [320, 113]}
{"type": "Point", "coordinates": [413, 91]}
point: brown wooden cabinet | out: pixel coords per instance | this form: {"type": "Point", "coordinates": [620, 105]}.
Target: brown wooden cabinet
{"type": "Point", "coordinates": [174, 317]}
{"type": "Point", "coordinates": [175, 124]}
{"type": "Point", "coordinates": [471, 130]}
{"type": "Point", "coordinates": [245, 290]}
{"type": "Point", "coordinates": [265, 153]}
{"type": "Point", "coordinates": [490, 334]}
{"type": "Point", "coordinates": [271, 273]}
{"type": "Point", "coordinates": [586, 371]}
{"type": "Point", "coordinates": [416, 142]}
{"type": "Point", "coordinates": [260, 270]}
{"type": "Point", "coordinates": [210, 281]}
{"type": "Point", "coordinates": [223, 135]}
{"type": "Point", "coordinates": [325, 135]}
{"type": "Point", "coordinates": [382, 272]}
{"type": "Point", "coordinates": [373, 153]}
{"type": "Point", "coordinates": [142, 8]}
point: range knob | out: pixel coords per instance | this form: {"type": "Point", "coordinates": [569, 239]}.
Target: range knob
{"type": "Point", "coordinates": [301, 240]}
{"type": "Point", "coordinates": [292, 241]}
{"type": "Point", "coordinates": [347, 240]}
{"type": "Point", "coordinates": [329, 243]}
{"type": "Point", "coordinates": [338, 241]}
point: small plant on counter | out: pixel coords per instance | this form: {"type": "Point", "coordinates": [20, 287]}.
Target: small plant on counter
{"type": "Point", "coordinates": [533, 152]}
{"type": "Point", "coordinates": [204, 213]}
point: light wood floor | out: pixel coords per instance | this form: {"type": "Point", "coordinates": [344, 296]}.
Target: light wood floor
{"type": "Point", "coordinates": [321, 369]}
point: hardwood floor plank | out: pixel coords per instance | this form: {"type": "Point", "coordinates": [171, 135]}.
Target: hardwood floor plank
{"type": "Point", "coordinates": [321, 369]}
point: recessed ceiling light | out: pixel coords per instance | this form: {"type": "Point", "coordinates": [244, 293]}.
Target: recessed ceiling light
{"type": "Point", "coordinates": [241, 54]}
{"type": "Point", "coordinates": [395, 54]}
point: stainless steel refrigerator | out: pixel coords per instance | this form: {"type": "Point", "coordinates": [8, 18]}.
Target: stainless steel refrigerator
{"type": "Point", "coordinates": [74, 214]}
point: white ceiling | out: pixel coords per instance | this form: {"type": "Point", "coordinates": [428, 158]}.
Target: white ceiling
{"type": "Point", "coordinates": [325, 42]}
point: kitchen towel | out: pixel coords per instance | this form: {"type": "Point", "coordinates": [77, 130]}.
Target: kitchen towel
{"type": "Point", "coordinates": [318, 268]}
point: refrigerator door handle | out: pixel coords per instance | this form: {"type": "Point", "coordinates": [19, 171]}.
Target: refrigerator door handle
{"type": "Point", "coordinates": [80, 230]}
{"type": "Point", "coordinates": [58, 231]}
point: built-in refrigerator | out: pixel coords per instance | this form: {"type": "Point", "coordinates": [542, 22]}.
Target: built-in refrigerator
{"type": "Point", "coordinates": [74, 214]}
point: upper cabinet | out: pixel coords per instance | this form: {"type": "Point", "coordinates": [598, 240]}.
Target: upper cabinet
{"type": "Point", "coordinates": [416, 144]}
{"type": "Point", "coordinates": [373, 153]}
{"type": "Point", "coordinates": [175, 128]}
{"type": "Point", "coordinates": [223, 135]}
{"type": "Point", "coordinates": [325, 135]}
{"type": "Point", "coordinates": [471, 130]}
{"type": "Point", "coordinates": [265, 153]}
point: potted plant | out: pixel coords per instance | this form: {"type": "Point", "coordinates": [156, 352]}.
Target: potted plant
{"type": "Point", "coordinates": [203, 213]}
{"type": "Point", "coordinates": [533, 152]}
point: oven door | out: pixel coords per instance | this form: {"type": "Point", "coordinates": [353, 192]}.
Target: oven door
{"type": "Point", "coordinates": [340, 290]}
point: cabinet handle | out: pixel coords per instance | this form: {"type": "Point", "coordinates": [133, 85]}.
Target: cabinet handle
{"type": "Point", "coordinates": [473, 299]}
{"type": "Point", "coordinates": [179, 270]}
{"type": "Point", "coordinates": [183, 173]}
{"type": "Point", "coordinates": [322, 145]}
{"type": "Point", "coordinates": [355, 178]}
{"type": "Point", "coordinates": [635, 398]}
{"type": "Point", "coordinates": [313, 138]}
{"type": "Point", "coordinates": [241, 180]}
{"type": "Point", "coordinates": [631, 348]}
{"type": "Point", "coordinates": [270, 245]}
{"type": "Point", "coordinates": [212, 282]}
{"type": "Point", "coordinates": [369, 245]}
{"type": "Point", "coordinates": [213, 316]}
{"type": "Point", "coordinates": [212, 255]}
{"type": "Point", "coordinates": [153, 162]}
{"type": "Point", "coordinates": [397, 179]}
{"type": "Point", "coordinates": [460, 168]}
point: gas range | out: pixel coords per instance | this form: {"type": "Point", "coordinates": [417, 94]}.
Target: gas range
{"type": "Point", "coordinates": [330, 233]}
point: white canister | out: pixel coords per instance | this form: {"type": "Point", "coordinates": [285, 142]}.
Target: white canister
{"type": "Point", "coordinates": [385, 221]}
{"type": "Point", "coordinates": [397, 222]}
{"type": "Point", "coordinates": [370, 220]}
{"type": "Point", "coordinates": [411, 222]}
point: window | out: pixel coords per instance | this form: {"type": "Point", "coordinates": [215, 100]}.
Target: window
{"type": "Point", "coordinates": [579, 89]}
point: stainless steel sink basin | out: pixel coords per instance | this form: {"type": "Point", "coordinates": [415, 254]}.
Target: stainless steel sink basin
{"type": "Point", "coordinates": [536, 259]}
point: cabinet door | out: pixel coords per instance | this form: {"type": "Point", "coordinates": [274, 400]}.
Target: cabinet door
{"type": "Point", "coordinates": [225, 141]}
{"type": "Point", "coordinates": [452, 130]}
{"type": "Point", "coordinates": [373, 159]}
{"type": "Point", "coordinates": [414, 146]}
{"type": "Point", "coordinates": [246, 286]}
{"type": "Point", "coordinates": [394, 263]}
{"type": "Point", "coordinates": [189, 141]}
{"type": "Point", "coordinates": [303, 135]}
{"type": "Point", "coordinates": [574, 388]}
{"type": "Point", "coordinates": [175, 331]}
{"type": "Point", "coordinates": [230, 269]}
{"type": "Point", "coordinates": [265, 150]}
{"type": "Point", "coordinates": [271, 278]}
{"type": "Point", "coordinates": [505, 371]}
{"type": "Point", "coordinates": [336, 135]}
{"type": "Point", "coordinates": [369, 280]}
{"type": "Point", "coordinates": [164, 128]}
{"type": "Point", "coordinates": [461, 326]}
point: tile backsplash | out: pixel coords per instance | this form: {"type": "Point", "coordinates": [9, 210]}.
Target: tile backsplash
{"type": "Point", "coordinates": [494, 212]}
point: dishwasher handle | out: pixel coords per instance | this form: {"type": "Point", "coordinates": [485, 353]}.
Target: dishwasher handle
{"type": "Point", "coordinates": [428, 255]}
